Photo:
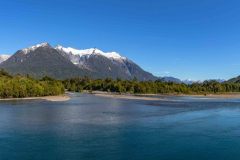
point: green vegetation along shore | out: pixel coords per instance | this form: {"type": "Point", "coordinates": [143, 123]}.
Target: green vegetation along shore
{"type": "Point", "coordinates": [24, 86]}
{"type": "Point", "coordinates": [149, 87]}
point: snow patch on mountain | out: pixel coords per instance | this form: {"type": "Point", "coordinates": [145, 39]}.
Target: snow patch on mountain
{"type": "Point", "coordinates": [73, 62]}
{"type": "Point", "coordinates": [32, 48]}
{"type": "Point", "coordinates": [88, 52]}
{"type": "Point", "coordinates": [4, 57]}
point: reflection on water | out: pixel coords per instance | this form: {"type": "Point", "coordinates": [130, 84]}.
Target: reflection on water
{"type": "Point", "coordinates": [89, 127]}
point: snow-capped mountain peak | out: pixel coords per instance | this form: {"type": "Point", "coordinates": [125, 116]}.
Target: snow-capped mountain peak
{"type": "Point", "coordinates": [87, 52]}
{"type": "Point", "coordinates": [74, 51]}
{"type": "Point", "coordinates": [113, 55]}
{"type": "Point", "coordinates": [32, 48]}
{"type": "Point", "coordinates": [61, 63]}
{"type": "Point", "coordinates": [4, 57]}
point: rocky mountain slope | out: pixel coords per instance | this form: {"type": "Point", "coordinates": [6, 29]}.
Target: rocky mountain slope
{"type": "Point", "coordinates": [60, 62]}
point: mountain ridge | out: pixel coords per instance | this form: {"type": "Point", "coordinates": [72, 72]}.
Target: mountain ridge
{"type": "Point", "coordinates": [40, 61]}
{"type": "Point", "coordinates": [43, 59]}
{"type": "Point", "coordinates": [69, 62]}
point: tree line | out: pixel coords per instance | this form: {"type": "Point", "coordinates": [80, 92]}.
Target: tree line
{"type": "Point", "coordinates": [24, 86]}
{"type": "Point", "coordinates": [149, 87]}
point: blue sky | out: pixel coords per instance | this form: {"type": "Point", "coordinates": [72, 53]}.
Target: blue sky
{"type": "Point", "coordinates": [182, 38]}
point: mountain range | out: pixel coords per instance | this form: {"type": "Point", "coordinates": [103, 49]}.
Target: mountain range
{"type": "Point", "coordinates": [234, 80]}
{"type": "Point", "coordinates": [66, 62]}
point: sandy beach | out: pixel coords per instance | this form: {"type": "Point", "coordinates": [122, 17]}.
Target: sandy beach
{"type": "Point", "coordinates": [224, 95]}
{"type": "Point", "coordinates": [59, 98]}
{"type": "Point", "coordinates": [133, 97]}
{"type": "Point", "coordinates": [154, 97]}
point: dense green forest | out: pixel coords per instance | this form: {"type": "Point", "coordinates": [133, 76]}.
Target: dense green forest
{"type": "Point", "coordinates": [149, 87]}
{"type": "Point", "coordinates": [24, 86]}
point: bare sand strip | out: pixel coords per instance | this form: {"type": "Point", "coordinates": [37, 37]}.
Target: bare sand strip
{"type": "Point", "coordinates": [133, 97]}
{"type": "Point", "coordinates": [125, 96]}
{"type": "Point", "coordinates": [218, 96]}
{"type": "Point", "coordinates": [60, 98]}
{"type": "Point", "coordinates": [163, 96]}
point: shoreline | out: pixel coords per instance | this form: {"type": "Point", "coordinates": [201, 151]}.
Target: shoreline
{"type": "Point", "coordinates": [153, 97]}
{"type": "Point", "coordinates": [59, 98]}
{"type": "Point", "coordinates": [128, 96]}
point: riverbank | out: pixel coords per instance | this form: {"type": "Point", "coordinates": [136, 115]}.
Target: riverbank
{"type": "Point", "coordinates": [59, 98]}
{"type": "Point", "coordinates": [154, 97]}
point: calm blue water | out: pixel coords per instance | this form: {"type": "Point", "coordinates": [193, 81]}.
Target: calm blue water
{"type": "Point", "coordinates": [89, 127]}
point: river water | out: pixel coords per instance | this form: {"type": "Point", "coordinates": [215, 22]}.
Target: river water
{"type": "Point", "coordinates": [96, 128]}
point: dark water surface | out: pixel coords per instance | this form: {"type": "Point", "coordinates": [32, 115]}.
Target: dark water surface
{"type": "Point", "coordinates": [94, 128]}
